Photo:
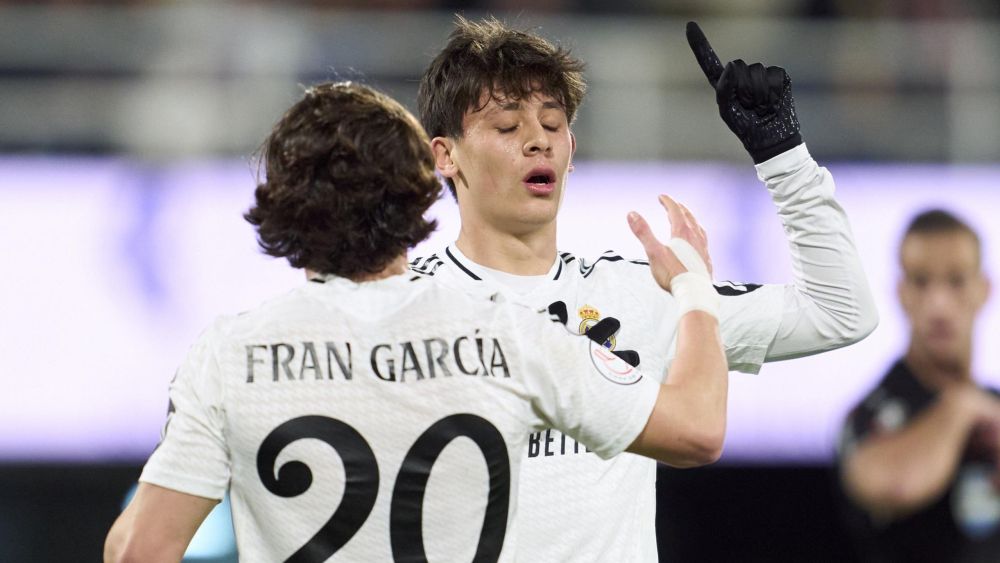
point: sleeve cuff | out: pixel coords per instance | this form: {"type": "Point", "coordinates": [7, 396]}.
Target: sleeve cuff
{"type": "Point", "coordinates": [786, 162]}
{"type": "Point", "coordinates": [184, 484]}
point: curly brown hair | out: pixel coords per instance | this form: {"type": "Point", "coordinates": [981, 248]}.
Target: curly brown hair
{"type": "Point", "coordinates": [349, 176]}
{"type": "Point", "coordinates": [488, 56]}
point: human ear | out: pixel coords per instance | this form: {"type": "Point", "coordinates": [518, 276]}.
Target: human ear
{"type": "Point", "coordinates": [442, 148]}
{"type": "Point", "coordinates": [985, 288]}
{"type": "Point", "coordinates": [572, 149]}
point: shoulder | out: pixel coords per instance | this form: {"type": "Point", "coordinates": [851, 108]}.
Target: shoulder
{"type": "Point", "coordinates": [266, 311]}
{"type": "Point", "coordinates": [891, 401]}
{"type": "Point", "coordinates": [613, 263]}
{"type": "Point", "coordinates": [609, 262]}
{"type": "Point", "coordinates": [426, 265]}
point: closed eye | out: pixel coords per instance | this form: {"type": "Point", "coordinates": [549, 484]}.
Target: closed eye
{"type": "Point", "coordinates": [510, 129]}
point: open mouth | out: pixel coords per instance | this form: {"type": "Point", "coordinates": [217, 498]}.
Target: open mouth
{"type": "Point", "coordinates": [541, 180]}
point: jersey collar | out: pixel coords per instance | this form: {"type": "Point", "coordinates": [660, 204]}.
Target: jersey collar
{"type": "Point", "coordinates": [454, 257]}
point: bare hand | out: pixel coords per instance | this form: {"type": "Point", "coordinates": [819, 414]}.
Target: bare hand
{"type": "Point", "coordinates": [663, 262]}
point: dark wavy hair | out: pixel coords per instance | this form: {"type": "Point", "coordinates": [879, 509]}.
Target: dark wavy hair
{"type": "Point", "coordinates": [349, 176]}
{"type": "Point", "coordinates": [490, 57]}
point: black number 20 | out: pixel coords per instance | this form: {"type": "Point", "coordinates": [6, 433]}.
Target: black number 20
{"type": "Point", "coordinates": [362, 478]}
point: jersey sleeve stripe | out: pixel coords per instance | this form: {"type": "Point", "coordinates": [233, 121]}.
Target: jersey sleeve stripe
{"type": "Point", "coordinates": [731, 289]}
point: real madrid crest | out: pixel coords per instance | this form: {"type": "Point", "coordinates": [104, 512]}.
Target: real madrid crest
{"type": "Point", "coordinates": [588, 318]}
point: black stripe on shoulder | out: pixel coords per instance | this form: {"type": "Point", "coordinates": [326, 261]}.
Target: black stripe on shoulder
{"type": "Point", "coordinates": [731, 289]}
{"type": "Point", "coordinates": [428, 266]}
{"type": "Point", "coordinates": [567, 257]}
{"type": "Point", "coordinates": [422, 261]}
{"type": "Point", "coordinates": [559, 271]}
{"type": "Point", "coordinates": [608, 256]}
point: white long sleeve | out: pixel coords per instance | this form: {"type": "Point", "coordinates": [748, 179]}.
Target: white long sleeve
{"type": "Point", "coordinates": [829, 304]}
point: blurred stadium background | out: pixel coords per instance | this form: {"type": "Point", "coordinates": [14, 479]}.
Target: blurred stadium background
{"type": "Point", "coordinates": [126, 135]}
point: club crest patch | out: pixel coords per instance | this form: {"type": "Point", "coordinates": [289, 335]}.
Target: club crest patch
{"type": "Point", "coordinates": [612, 367]}
{"type": "Point", "coordinates": [589, 317]}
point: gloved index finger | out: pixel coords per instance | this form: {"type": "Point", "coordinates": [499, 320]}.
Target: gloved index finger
{"type": "Point", "coordinates": [704, 54]}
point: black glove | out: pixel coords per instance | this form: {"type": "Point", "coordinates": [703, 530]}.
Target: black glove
{"type": "Point", "coordinates": [755, 101]}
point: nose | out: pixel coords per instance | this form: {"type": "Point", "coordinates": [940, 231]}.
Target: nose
{"type": "Point", "coordinates": [536, 140]}
{"type": "Point", "coordinates": [940, 300]}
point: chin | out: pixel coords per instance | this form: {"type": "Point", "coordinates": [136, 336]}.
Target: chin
{"type": "Point", "coordinates": [947, 360]}
{"type": "Point", "coordinates": [539, 212]}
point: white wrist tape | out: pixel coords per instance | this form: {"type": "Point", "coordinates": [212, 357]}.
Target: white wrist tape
{"type": "Point", "coordinates": [688, 256]}
{"type": "Point", "coordinates": [693, 289]}
{"type": "Point", "coordinates": [694, 292]}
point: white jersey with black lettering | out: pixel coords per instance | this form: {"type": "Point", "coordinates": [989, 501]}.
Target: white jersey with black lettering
{"type": "Point", "coordinates": [576, 506]}
{"type": "Point", "coordinates": [385, 420]}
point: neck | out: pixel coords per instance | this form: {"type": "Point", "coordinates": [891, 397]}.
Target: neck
{"type": "Point", "coordinates": [937, 374]}
{"type": "Point", "coordinates": [528, 254]}
{"type": "Point", "coordinates": [399, 265]}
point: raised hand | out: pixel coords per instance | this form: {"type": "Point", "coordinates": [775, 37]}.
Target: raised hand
{"type": "Point", "coordinates": [686, 251]}
{"type": "Point", "coordinates": [755, 101]}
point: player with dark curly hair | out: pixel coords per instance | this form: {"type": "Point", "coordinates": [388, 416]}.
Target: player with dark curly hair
{"type": "Point", "coordinates": [342, 195]}
{"type": "Point", "coordinates": [331, 413]}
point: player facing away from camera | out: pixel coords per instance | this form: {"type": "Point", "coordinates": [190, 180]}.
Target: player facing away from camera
{"type": "Point", "coordinates": [375, 415]}
{"type": "Point", "coordinates": [498, 104]}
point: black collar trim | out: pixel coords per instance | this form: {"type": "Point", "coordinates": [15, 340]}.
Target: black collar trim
{"type": "Point", "coordinates": [460, 265]}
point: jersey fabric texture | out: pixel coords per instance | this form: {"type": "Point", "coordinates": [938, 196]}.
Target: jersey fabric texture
{"type": "Point", "coordinates": [963, 525]}
{"type": "Point", "coordinates": [578, 507]}
{"type": "Point", "coordinates": [384, 420]}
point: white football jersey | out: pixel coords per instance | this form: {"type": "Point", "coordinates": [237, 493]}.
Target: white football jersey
{"type": "Point", "coordinates": [575, 506]}
{"type": "Point", "coordinates": [385, 420]}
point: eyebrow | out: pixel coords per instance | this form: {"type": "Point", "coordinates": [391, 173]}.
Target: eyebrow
{"type": "Point", "coordinates": [516, 105]}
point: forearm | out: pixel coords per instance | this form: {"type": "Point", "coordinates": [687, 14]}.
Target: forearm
{"type": "Point", "coordinates": [829, 303]}
{"type": "Point", "coordinates": [156, 526]}
{"type": "Point", "coordinates": [691, 410]}
{"type": "Point", "coordinates": [114, 544]}
{"type": "Point", "coordinates": [126, 544]}
{"type": "Point", "coordinates": [898, 473]}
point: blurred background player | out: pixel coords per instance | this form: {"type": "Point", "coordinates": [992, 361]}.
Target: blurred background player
{"type": "Point", "coordinates": [499, 104]}
{"type": "Point", "coordinates": [327, 410]}
{"type": "Point", "coordinates": [920, 454]}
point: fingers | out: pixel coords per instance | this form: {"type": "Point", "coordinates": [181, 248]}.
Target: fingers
{"type": "Point", "coordinates": [684, 225]}
{"type": "Point", "coordinates": [675, 214]}
{"type": "Point", "coordinates": [729, 80]}
{"type": "Point", "coordinates": [640, 228]}
{"type": "Point", "coordinates": [754, 87]}
{"type": "Point", "coordinates": [663, 264]}
{"type": "Point", "coordinates": [704, 54]}
{"type": "Point", "coordinates": [776, 78]}
{"type": "Point", "coordinates": [759, 93]}
{"type": "Point", "coordinates": [682, 221]}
